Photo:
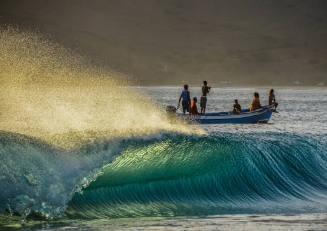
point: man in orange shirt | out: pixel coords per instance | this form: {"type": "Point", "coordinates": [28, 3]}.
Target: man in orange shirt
{"type": "Point", "coordinates": [194, 108]}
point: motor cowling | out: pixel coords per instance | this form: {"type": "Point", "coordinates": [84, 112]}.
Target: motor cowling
{"type": "Point", "coordinates": [171, 109]}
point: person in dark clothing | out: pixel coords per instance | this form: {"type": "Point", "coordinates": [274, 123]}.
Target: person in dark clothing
{"type": "Point", "coordinates": [236, 107]}
{"type": "Point", "coordinates": [203, 100]}
{"type": "Point", "coordinates": [186, 99]}
{"type": "Point", "coordinates": [272, 99]}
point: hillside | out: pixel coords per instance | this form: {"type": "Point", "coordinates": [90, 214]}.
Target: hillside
{"type": "Point", "coordinates": [161, 42]}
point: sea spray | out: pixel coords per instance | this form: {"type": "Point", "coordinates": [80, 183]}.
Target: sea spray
{"type": "Point", "coordinates": [47, 90]}
{"type": "Point", "coordinates": [62, 119]}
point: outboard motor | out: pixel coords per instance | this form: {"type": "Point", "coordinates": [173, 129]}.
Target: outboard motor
{"type": "Point", "coordinates": [171, 112]}
{"type": "Point", "coordinates": [171, 109]}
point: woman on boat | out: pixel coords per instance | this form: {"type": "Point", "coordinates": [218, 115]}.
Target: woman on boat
{"type": "Point", "coordinates": [255, 104]}
{"type": "Point", "coordinates": [272, 99]}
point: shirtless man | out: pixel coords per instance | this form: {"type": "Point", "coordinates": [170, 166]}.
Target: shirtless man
{"type": "Point", "coordinates": [203, 100]}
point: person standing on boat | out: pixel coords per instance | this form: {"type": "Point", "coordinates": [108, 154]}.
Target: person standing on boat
{"type": "Point", "coordinates": [186, 99]}
{"type": "Point", "coordinates": [194, 108]}
{"type": "Point", "coordinates": [272, 99]}
{"type": "Point", "coordinates": [203, 100]}
{"type": "Point", "coordinates": [255, 104]}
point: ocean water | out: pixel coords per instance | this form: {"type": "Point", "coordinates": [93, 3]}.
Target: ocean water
{"type": "Point", "coordinates": [232, 177]}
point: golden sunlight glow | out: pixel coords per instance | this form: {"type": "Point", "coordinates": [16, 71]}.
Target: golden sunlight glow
{"type": "Point", "coordinates": [49, 93]}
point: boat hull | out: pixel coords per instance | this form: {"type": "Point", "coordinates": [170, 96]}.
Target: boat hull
{"type": "Point", "coordinates": [258, 116]}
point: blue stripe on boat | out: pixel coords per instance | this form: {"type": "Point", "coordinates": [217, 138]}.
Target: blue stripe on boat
{"type": "Point", "coordinates": [261, 115]}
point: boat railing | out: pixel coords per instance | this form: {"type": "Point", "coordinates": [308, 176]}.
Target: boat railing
{"type": "Point", "coordinates": [244, 111]}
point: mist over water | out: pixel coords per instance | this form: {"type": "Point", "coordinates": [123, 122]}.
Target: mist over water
{"type": "Point", "coordinates": [48, 91]}
{"type": "Point", "coordinates": [61, 121]}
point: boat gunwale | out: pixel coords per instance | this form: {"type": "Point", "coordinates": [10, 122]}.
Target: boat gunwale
{"type": "Point", "coordinates": [261, 115]}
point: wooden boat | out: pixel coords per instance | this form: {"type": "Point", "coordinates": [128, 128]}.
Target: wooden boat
{"type": "Point", "coordinates": [261, 115]}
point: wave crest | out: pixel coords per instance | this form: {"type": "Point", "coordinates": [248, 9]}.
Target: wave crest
{"type": "Point", "coordinates": [223, 173]}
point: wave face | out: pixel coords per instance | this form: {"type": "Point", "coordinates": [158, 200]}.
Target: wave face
{"type": "Point", "coordinates": [165, 175]}
{"type": "Point", "coordinates": [216, 174]}
{"type": "Point", "coordinates": [38, 178]}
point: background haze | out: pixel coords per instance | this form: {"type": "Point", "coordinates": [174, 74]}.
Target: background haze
{"type": "Point", "coordinates": [166, 42]}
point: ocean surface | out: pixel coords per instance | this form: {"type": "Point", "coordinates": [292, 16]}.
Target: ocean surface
{"type": "Point", "coordinates": [232, 177]}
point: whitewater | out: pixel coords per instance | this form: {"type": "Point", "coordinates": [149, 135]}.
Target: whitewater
{"type": "Point", "coordinates": [79, 151]}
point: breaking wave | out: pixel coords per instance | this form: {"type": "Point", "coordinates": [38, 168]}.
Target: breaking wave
{"type": "Point", "coordinates": [76, 142]}
{"type": "Point", "coordinates": [169, 174]}
{"type": "Point", "coordinates": [201, 175]}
